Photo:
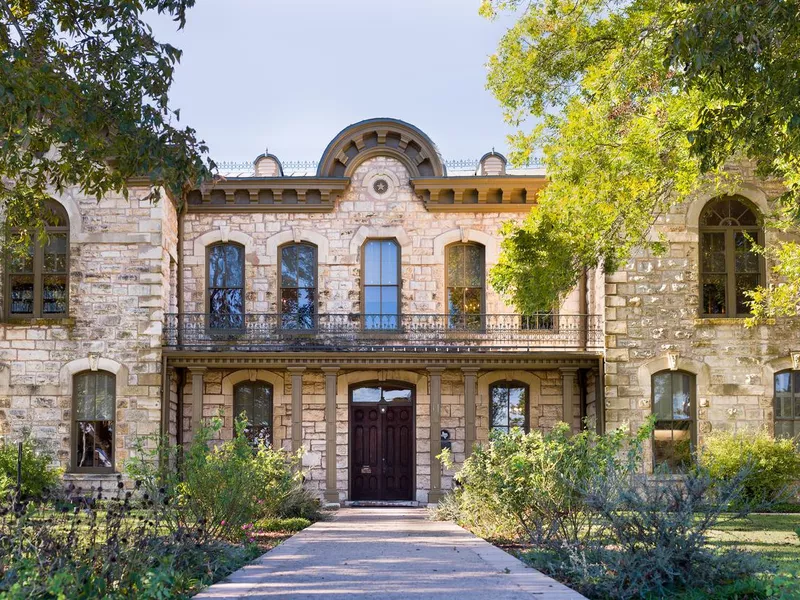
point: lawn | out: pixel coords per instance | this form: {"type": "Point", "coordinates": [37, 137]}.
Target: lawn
{"type": "Point", "coordinates": [772, 536]}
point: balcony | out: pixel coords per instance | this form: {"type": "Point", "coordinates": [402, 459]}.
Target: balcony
{"type": "Point", "coordinates": [382, 333]}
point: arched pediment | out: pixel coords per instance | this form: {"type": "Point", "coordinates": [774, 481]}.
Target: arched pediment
{"type": "Point", "coordinates": [381, 137]}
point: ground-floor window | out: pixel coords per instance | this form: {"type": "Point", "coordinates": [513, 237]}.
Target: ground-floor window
{"type": "Point", "coordinates": [94, 405]}
{"type": "Point", "coordinates": [673, 407]}
{"type": "Point", "coordinates": [254, 399]}
{"type": "Point", "coordinates": [787, 404]}
{"type": "Point", "coordinates": [508, 406]}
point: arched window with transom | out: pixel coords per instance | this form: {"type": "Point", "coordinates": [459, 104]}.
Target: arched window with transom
{"type": "Point", "coordinates": [298, 283]}
{"type": "Point", "coordinates": [674, 435]}
{"type": "Point", "coordinates": [729, 265]}
{"type": "Point", "coordinates": [509, 406]}
{"type": "Point", "coordinates": [465, 282]}
{"type": "Point", "coordinates": [381, 284]}
{"type": "Point", "coordinates": [225, 286]}
{"type": "Point", "coordinates": [254, 400]}
{"type": "Point", "coordinates": [37, 282]}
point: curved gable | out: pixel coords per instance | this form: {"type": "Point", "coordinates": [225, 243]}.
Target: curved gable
{"type": "Point", "coordinates": [381, 137]}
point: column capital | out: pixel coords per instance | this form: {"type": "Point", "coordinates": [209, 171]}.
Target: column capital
{"type": "Point", "coordinates": [569, 370]}
{"type": "Point", "coordinates": [436, 370]}
{"type": "Point", "coordinates": [296, 370]}
{"type": "Point", "coordinates": [197, 370]}
{"type": "Point", "coordinates": [470, 370]}
{"type": "Point", "coordinates": [327, 370]}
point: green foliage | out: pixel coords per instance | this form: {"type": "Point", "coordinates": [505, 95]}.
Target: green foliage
{"type": "Point", "coordinates": [300, 503]}
{"type": "Point", "coordinates": [84, 101]}
{"type": "Point", "coordinates": [291, 525]}
{"type": "Point", "coordinates": [224, 486]}
{"type": "Point", "coordinates": [530, 485]}
{"type": "Point", "coordinates": [636, 106]}
{"type": "Point", "coordinates": [772, 466]}
{"type": "Point", "coordinates": [39, 476]}
{"type": "Point", "coordinates": [114, 547]}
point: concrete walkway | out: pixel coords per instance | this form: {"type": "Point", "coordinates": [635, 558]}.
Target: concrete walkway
{"type": "Point", "coordinates": [388, 553]}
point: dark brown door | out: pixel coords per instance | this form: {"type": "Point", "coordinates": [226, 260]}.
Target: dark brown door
{"type": "Point", "coordinates": [381, 463]}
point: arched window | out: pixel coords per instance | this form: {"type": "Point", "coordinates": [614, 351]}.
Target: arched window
{"type": "Point", "coordinates": [787, 404]}
{"type": "Point", "coordinates": [729, 267]}
{"type": "Point", "coordinates": [381, 284]}
{"type": "Point", "coordinates": [225, 286]}
{"type": "Point", "coordinates": [674, 408]}
{"type": "Point", "coordinates": [37, 277]}
{"type": "Point", "coordinates": [93, 409]}
{"type": "Point", "coordinates": [465, 285]}
{"type": "Point", "coordinates": [254, 399]}
{"type": "Point", "coordinates": [298, 283]}
{"type": "Point", "coordinates": [509, 406]}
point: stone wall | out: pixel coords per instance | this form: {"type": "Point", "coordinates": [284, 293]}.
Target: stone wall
{"type": "Point", "coordinates": [653, 324]}
{"type": "Point", "coordinates": [117, 297]}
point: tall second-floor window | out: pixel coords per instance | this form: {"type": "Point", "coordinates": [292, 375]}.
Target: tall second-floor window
{"type": "Point", "coordinates": [226, 286]}
{"type": "Point", "coordinates": [298, 279]}
{"type": "Point", "coordinates": [465, 285]}
{"type": "Point", "coordinates": [37, 275]}
{"type": "Point", "coordinates": [729, 266]}
{"type": "Point", "coordinates": [381, 284]}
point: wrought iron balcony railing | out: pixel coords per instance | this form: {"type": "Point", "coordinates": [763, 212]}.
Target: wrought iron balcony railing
{"type": "Point", "coordinates": [402, 333]}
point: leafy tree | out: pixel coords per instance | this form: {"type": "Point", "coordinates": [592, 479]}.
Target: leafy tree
{"type": "Point", "coordinates": [638, 105]}
{"type": "Point", "coordinates": [84, 102]}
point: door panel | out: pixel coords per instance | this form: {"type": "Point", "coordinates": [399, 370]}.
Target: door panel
{"type": "Point", "coordinates": [382, 461]}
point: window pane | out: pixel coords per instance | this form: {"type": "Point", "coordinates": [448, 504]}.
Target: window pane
{"type": "Point", "coordinates": [393, 394]}
{"type": "Point", "coordinates": [367, 394]}
{"type": "Point", "coordinates": [713, 252]}
{"type": "Point", "coordinates": [55, 254]}
{"type": "Point", "coordinates": [389, 300]}
{"type": "Point", "coordinates": [746, 261]}
{"type": "Point", "coordinates": [21, 262]}
{"type": "Point", "coordinates": [473, 301]}
{"type": "Point", "coordinates": [783, 382]}
{"type": "Point", "coordinates": [243, 402]}
{"type": "Point", "coordinates": [226, 301]}
{"type": "Point", "coordinates": [681, 396]}
{"type": "Point", "coordinates": [372, 300]}
{"type": "Point", "coordinates": [714, 295]}
{"type": "Point", "coordinates": [455, 265]}
{"type": "Point", "coordinates": [672, 444]}
{"type": "Point", "coordinates": [517, 406]}
{"type": "Point", "coordinates": [54, 294]}
{"type": "Point", "coordinates": [662, 396]}
{"type": "Point", "coordinates": [499, 406]}
{"type": "Point", "coordinates": [474, 266]}
{"type": "Point", "coordinates": [289, 266]}
{"type": "Point", "coordinates": [389, 263]}
{"type": "Point", "coordinates": [455, 301]}
{"type": "Point", "coordinates": [372, 263]}
{"type": "Point", "coordinates": [262, 405]}
{"type": "Point", "coordinates": [744, 284]}
{"type": "Point", "coordinates": [95, 446]}
{"type": "Point", "coordinates": [21, 294]}
{"type": "Point", "coordinates": [225, 266]}
{"type": "Point", "coordinates": [289, 301]}
{"type": "Point", "coordinates": [305, 266]}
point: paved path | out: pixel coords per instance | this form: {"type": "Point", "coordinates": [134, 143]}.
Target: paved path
{"type": "Point", "coordinates": [387, 553]}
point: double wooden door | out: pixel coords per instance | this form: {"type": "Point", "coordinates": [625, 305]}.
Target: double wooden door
{"type": "Point", "coordinates": [381, 452]}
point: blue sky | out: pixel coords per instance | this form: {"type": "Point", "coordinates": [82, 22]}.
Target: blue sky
{"type": "Point", "coordinates": [290, 74]}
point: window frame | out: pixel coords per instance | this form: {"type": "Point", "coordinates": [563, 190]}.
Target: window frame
{"type": "Point", "coordinates": [209, 250]}
{"type": "Point", "coordinates": [364, 285]}
{"type": "Point", "coordinates": [692, 410]}
{"type": "Point", "coordinates": [794, 377]}
{"type": "Point", "coordinates": [509, 384]}
{"type": "Point", "coordinates": [482, 313]}
{"type": "Point", "coordinates": [729, 231]}
{"type": "Point", "coordinates": [74, 468]}
{"type": "Point", "coordinates": [261, 383]}
{"type": "Point", "coordinates": [280, 288]}
{"type": "Point", "coordinates": [37, 273]}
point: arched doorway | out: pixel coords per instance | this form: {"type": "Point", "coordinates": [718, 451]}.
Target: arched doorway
{"type": "Point", "coordinates": [382, 441]}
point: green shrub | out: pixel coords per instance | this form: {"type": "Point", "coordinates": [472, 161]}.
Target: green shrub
{"type": "Point", "coordinates": [301, 503]}
{"type": "Point", "coordinates": [773, 465]}
{"type": "Point", "coordinates": [39, 476]}
{"type": "Point", "coordinates": [530, 485]}
{"type": "Point", "coordinates": [292, 525]}
{"type": "Point", "coordinates": [224, 486]}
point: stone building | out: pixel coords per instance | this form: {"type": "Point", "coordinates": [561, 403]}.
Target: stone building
{"type": "Point", "coordinates": [347, 311]}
